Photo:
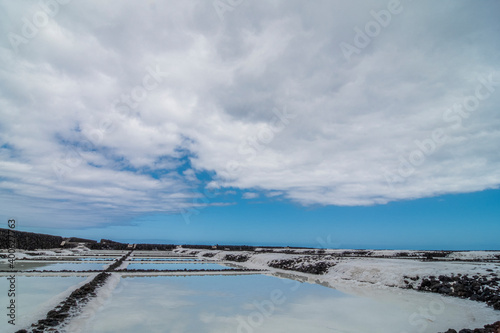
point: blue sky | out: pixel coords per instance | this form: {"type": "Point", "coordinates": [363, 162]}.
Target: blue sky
{"type": "Point", "coordinates": [370, 125]}
{"type": "Point", "coordinates": [449, 222]}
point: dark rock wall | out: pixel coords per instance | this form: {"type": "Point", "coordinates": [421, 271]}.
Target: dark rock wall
{"type": "Point", "coordinates": [28, 240]}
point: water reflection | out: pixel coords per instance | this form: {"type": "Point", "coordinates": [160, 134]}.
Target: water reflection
{"type": "Point", "coordinates": [261, 303]}
{"type": "Point", "coordinates": [54, 266]}
{"type": "Point", "coordinates": [175, 266]}
{"type": "Point", "coordinates": [164, 259]}
{"type": "Point", "coordinates": [35, 296]}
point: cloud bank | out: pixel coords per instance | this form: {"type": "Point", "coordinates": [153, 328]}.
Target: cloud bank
{"type": "Point", "coordinates": [113, 110]}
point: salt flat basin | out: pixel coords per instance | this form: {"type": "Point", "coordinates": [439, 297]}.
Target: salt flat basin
{"type": "Point", "coordinates": [35, 296]}
{"type": "Point", "coordinates": [176, 266]}
{"type": "Point", "coordinates": [262, 303]}
{"type": "Point", "coordinates": [54, 266]}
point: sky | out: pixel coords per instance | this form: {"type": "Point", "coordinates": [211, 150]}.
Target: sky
{"type": "Point", "coordinates": [327, 124]}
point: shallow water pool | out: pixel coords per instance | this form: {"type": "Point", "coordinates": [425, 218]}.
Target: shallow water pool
{"type": "Point", "coordinates": [34, 297]}
{"type": "Point", "coordinates": [261, 303]}
{"type": "Point", "coordinates": [54, 266]}
{"type": "Point", "coordinates": [176, 266]}
{"type": "Point", "coordinates": [163, 259]}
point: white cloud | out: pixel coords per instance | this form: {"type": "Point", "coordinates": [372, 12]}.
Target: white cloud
{"type": "Point", "coordinates": [222, 85]}
{"type": "Point", "coordinates": [250, 195]}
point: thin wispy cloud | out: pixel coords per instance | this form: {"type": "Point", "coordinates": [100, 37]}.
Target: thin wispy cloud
{"type": "Point", "coordinates": [250, 195]}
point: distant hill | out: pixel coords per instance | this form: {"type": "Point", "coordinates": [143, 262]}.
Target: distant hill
{"type": "Point", "coordinates": [33, 241]}
{"type": "Point", "coordinates": [29, 240]}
